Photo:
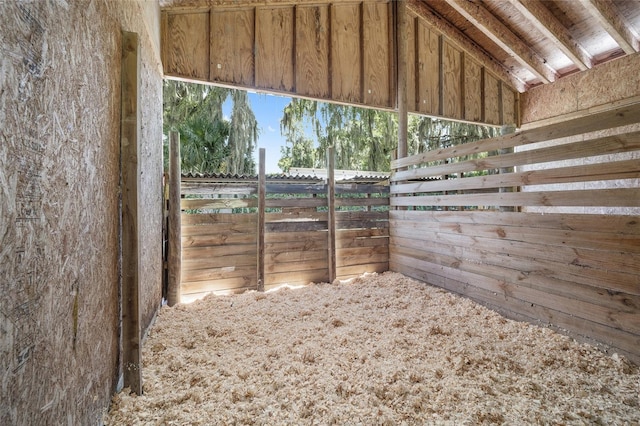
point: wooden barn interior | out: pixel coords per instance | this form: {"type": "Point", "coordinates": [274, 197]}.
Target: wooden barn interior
{"type": "Point", "coordinates": [553, 238]}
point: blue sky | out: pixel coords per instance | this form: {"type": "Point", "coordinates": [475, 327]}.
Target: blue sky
{"type": "Point", "coordinates": [268, 110]}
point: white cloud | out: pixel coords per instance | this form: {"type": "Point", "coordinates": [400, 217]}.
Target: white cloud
{"type": "Point", "coordinates": [271, 129]}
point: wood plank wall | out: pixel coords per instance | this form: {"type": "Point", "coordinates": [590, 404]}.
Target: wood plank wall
{"type": "Point", "coordinates": [577, 272]}
{"type": "Point", "coordinates": [334, 51]}
{"type": "Point", "coordinates": [220, 228]}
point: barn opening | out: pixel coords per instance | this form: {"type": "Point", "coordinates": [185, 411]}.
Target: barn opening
{"type": "Point", "coordinates": [79, 81]}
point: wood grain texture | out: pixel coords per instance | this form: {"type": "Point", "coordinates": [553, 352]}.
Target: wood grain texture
{"type": "Point", "coordinates": [274, 48]}
{"type": "Point", "coordinates": [492, 99]}
{"type": "Point", "coordinates": [232, 42]}
{"type": "Point", "coordinates": [346, 57]}
{"type": "Point", "coordinates": [428, 66]}
{"type": "Point", "coordinates": [188, 45]}
{"type": "Point", "coordinates": [473, 90]}
{"type": "Point", "coordinates": [312, 51]}
{"type": "Point", "coordinates": [377, 54]}
{"type": "Point", "coordinates": [451, 81]}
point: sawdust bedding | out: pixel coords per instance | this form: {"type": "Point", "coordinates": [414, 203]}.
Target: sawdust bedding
{"type": "Point", "coordinates": [384, 349]}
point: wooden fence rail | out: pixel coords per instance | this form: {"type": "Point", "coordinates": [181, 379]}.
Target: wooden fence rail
{"type": "Point", "coordinates": [567, 256]}
{"type": "Point", "coordinates": [247, 233]}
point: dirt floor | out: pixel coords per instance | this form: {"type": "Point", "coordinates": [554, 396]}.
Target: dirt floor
{"type": "Point", "coordinates": [380, 350]}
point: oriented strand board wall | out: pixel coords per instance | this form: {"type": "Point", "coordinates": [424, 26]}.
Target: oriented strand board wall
{"type": "Point", "coordinates": [608, 84]}
{"type": "Point", "coordinates": [59, 174]}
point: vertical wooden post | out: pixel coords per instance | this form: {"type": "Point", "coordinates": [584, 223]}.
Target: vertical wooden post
{"type": "Point", "coordinates": [401, 86]}
{"type": "Point", "coordinates": [331, 213]}
{"type": "Point", "coordinates": [506, 130]}
{"type": "Point", "coordinates": [129, 183]}
{"type": "Point", "coordinates": [262, 195]}
{"type": "Point", "coordinates": [174, 262]}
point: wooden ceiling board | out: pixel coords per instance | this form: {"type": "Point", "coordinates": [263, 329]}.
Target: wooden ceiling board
{"type": "Point", "coordinates": [522, 27]}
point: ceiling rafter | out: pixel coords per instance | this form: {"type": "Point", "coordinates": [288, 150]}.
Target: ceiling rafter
{"type": "Point", "coordinates": [613, 23]}
{"type": "Point", "coordinates": [465, 43]}
{"type": "Point", "coordinates": [500, 34]}
{"type": "Point", "coordinates": [545, 22]}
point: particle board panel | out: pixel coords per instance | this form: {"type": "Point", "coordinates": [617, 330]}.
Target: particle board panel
{"type": "Point", "coordinates": [451, 81]}
{"type": "Point", "coordinates": [472, 90]}
{"type": "Point", "coordinates": [187, 45]}
{"type": "Point", "coordinates": [312, 51]}
{"type": "Point", "coordinates": [346, 53]}
{"type": "Point", "coordinates": [274, 48]}
{"type": "Point", "coordinates": [428, 70]}
{"type": "Point", "coordinates": [232, 43]}
{"type": "Point", "coordinates": [377, 51]}
{"type": "Point", "coordinates": [492, 99]}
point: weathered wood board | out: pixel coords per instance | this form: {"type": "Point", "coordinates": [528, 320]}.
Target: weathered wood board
{"type": "Point", "coordinates": [570, 254]}
{"type": "Point", "coordinates": [344, 52]}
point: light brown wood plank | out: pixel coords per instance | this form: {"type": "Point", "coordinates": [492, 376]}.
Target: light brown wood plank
{"type": "Point", "coordinates": [315, 264]}
{"type": "Point", "coordinates": [452, 81]}
{"type": "Point", "coordinates": [245, 282]}
{"type": "Point", "coordinates": [294, 256]}
{"type": "Point", "coordinates": [492, 99]}
{"type": "Point", "coordinates": [274, 48]}
{"type": "Point", "coordinates": [520, 310]}
{"type": "Point", "coordinates": [235, 261]}
{"type": "Point", "coordinates": [293, 216]}
{"type": "Point", "coordinates": [376, 54]}
{"type": "Point", "coordinates": [232, 41]}
{"type": "Point", "coordinates": [312, 51]}
{"type": "Point", "coordinates": [618, 197]}
{"type": "Point", "coordinates": [472, 90]}
{"type": "Point", "coordinates": [626, 320]}
{"type": "Point", "coordinates": [218, 188]}
{"type": "Point", "coordinates": [188, 45]}
{"type": "Point", "coordinates": [217, 203]}
{"type": "Point", "coordinates": [283, 237]}
{"type": "Point", "coordinates": [600, 146]}
{"type": "Point", "coordinates": [601, 224]}
{"type": "Point", "coordinates": [240, 228]}
{"type": "Point", "coordinates": [218, 274]}
{"type": "Point", "coordinates": [412, 63]}
{"type": "Point", "coordinates": [581, 276]}
{"type": "Point", "coordinates": [624, 115]}
{"type": "Point", "coordinates": [306, 244]}
{"type": "Point", "coordinates": [189, 219]}
{"type": "Point", "coordinates": [296, 278]}
{"type": "Point", "coordinates": [591, 172]}
{"type": "Point", "coordinates": [587, 239]}
{"type": "Point", "coordinates": [218, 239]}
{"type": "Point", "coordinates": [428, 93]}
{"type": "Point", "coordinates": [509, 106]}
{"type": "Point", "coordinates": [346, 58]}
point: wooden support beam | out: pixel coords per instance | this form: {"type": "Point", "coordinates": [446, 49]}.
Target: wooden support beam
{"type": "Point", "coordinates": [401, 82]}
{"type": "Point", "coordinates": [437, 22]}
{"type": "Point", "coordinates": [331, 217]}
{"type": "Point", "coordinates": [262, 195]}
{"type": "Point", "coordinates": [130, 182]}
{"type": "Point", "coordinates": [545, 22]}
{"type": "Point", "coordinates": [174, 259]}
{"type": "Point", "coordinates": [497, 32]}
{"type": "Point", "coordinates": [607, 15]}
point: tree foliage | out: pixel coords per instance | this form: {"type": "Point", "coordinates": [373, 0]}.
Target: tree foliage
{"type": "Point", "coordinates": [363, 139]}
{"type": "Point", "coordinates": [209, 143]}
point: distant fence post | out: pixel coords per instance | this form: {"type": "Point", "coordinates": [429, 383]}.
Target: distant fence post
{"type": "Point", "coordinates": [174, 262]}
{"type": "Point", "coordinates": [331, 214]}
{"type": "Point", "coordinates": [262, 191]}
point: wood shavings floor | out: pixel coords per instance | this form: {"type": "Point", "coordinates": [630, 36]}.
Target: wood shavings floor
{"type": "Point", "coordinates": [384, 349]}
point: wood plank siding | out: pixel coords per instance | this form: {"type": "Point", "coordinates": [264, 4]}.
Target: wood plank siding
{"type": "Point", "coordinates": [220, 229]}
{"type": "Point", "coordinates": [343, 52]}
{"type": "Point", "coordinates": [568, 256]}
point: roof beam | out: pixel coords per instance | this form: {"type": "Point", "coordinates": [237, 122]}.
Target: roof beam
{"type": "Point", "coordinates": [453, 34]}
{"type": "Point", "coordinates": [545, 22]}
{"type": "Point", "coordinates": [475, 13]}
{"type": "Point", "coordinates": [613, 23]}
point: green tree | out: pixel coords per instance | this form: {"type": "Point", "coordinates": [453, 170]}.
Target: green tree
{"type": "Point", "coordinates": [208, 142]}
